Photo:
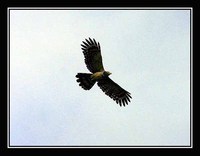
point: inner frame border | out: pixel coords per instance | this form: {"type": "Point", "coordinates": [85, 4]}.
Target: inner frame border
{"type": "Point", "coordinates": [100, 8]}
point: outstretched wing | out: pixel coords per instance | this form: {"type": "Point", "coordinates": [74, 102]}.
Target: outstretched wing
{"type": "Point", "coordinates": [114, 91]}
{"type": "Point", "coordinates": [92, 53]}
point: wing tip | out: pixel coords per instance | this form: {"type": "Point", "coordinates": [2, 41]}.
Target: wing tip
{"type": "Point", "coordinates": [88, 42]}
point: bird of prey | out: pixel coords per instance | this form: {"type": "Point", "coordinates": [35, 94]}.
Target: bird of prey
{"type": "Point", "coordinates": [93, 60]}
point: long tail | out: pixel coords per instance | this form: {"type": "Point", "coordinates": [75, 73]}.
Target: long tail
{"type": "Point", "coordinates": [85, 81]}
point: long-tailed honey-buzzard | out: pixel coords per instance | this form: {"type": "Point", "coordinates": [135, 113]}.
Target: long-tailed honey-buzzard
{"type": "Point", "coordinates": [93, 60]}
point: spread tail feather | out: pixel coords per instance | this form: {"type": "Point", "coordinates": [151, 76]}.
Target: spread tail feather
{"type": "Point", "coordinates": [85, 81]}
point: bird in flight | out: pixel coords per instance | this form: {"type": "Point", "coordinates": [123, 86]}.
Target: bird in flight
{"type": "Point", "coordinates": [93, 60]}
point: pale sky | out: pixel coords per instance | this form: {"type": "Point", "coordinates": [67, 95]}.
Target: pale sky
{"type": "Point", "coordinates": [148, 53]}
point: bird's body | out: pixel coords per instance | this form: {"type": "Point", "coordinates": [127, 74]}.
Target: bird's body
{"type": "Point", "coordinates": [93, 60]}
{"type": "Point", "coordinates": [97, 75]}
{"type": "Point", "coordinates": [100, 75]}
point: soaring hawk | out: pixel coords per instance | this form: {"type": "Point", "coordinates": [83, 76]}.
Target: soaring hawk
{"type": "Point", "coordinates": [93, 60]}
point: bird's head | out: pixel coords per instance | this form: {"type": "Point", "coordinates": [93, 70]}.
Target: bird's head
{"type": "Point", "coordinates": [106, 73]}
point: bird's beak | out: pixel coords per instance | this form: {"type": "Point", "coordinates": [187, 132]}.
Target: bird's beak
{"type": "Point", "coordinates": [109, 73]}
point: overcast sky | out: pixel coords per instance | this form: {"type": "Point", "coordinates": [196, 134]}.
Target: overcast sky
{"type": "Point", "coordinates": [148, 53]}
